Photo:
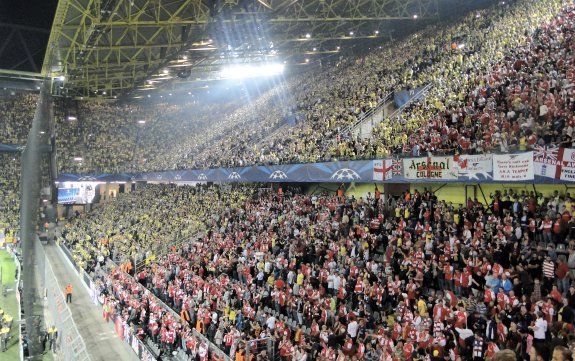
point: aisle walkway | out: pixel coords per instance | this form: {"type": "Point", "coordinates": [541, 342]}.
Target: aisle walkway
{"type": "Point", "coordinates": [100, 339]}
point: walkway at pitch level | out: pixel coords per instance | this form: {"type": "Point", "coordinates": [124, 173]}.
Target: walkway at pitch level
{"type": "Point", "coordinates": [100, 338]}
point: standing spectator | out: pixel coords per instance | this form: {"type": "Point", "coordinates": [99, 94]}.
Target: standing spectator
{"type": "Point", "coordinates": [69, 293]}
{"type": "Point", "coordinates": [562, 273]}
{"type": "Point", "coordinates": [548, 271]}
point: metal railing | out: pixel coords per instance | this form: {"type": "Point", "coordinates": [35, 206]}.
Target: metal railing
{"type": "Point", "coordinates": [71, 346]}
{"type": "Point", "coordinates": [370, 112]}
{"type": "Point", "coordinates": [417, 96]}
{"type": "Point", "coordinates": [143, 349]}
{"type": "Point", "coordinates": [211, 346]}
{"type": "Point", "coordinates": [164, 248]}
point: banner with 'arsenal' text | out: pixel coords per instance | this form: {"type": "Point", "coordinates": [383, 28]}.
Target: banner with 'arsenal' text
{"type": "Point", "coordinates": [430, 168]}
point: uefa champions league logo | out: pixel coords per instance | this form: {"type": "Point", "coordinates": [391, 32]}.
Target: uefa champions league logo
{"type": "Point", "coordinates": [345, 174]}
{"type": "Point", "coordinates": [87, 178]}
{"type": "Point", "coordinates": [234, 175]}
{"type": "Point", "coordinates": [278, 174]}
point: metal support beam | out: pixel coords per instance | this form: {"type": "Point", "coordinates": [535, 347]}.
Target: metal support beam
{"type": "Point", "coordinates": [119, 46]}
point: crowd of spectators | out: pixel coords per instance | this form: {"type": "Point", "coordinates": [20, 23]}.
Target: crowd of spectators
{"type": "Point", "coordinates": [16, 114]}
{"type": "Point", "coordinates": [499, 81]}
{"type": "Point", "coordinates": [508, 88]}
{"type": "Point", "coordinates": [138, 223]}
{"type": "Point", "coordinates": [331, 277]}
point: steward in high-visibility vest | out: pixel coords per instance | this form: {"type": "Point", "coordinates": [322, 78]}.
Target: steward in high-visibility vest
{"type": "Point", "coordinates": [200, 326]}
{"type": "Point", "coordinates": [4, 332]}
{"type": "Point", "coordinates": [69, 293]}
{"type": "Point", "coordinates": [185, 316]}
{"type": "Point", "coordinates": [52, 337]}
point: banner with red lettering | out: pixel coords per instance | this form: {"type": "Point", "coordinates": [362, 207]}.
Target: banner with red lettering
{"type": "Point", "coordinates": [382, 169]}
{"type": "Point", "coordinates": [430, 168]}
{"type": "Point", "coordinates": [513, 167]}
{"type": "Point", "coordinates": [547, 161]}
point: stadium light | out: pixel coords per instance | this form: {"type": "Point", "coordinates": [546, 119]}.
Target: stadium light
{"type": "Point", "coordinates": [71, 118]}
{"type": "Point", "coordinates": [78, 159]}
{"type": "Point", "coordinates": [142, 121]}
{"type": "Point", "coordinates": [376, 32]}
{"type": "Point", "coordinates": [415, 16]}
{"type": "Point", "coordinates": [351, 33]}
{"type": "Point", "coordinates": [62, 78]}
{"type": "Point", "coordinates": [249, 71]}
{"type": "Point", "coordinates": [308, 35]}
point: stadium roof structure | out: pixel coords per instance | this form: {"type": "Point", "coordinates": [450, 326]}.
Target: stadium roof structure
{"type": "Point", "coordinates": [114, 48]}
{"type": "Point", "coordinates": [111, 48]}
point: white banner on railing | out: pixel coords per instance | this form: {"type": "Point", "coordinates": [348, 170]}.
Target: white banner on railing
{"type": "Point", "coordinates": [382, 169]}
{"type": "Point", "coordinates": [513, 167]}
{"type": "Point", "coordinates": [568, 165]}
{"type": "Point", "coordinates": [430, 168]}
{"type": "Point", "coordinates": [547, 161]}
{"type": "Point", "coordinates": [474, 166]}
{"type": "Point", "coordinates": [557, 163]}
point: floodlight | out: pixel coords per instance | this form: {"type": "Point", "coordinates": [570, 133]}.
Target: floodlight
{"type": "Point", "coordinates": [308, 35]}
{"type": "Point", "coordinates": [249, 71]}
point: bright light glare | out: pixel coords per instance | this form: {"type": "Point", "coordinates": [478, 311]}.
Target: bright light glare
{"type": "Point", "coordinates": [141, 122]}
{"type": "Point", "coordinates": [461, 46]}
{"type": "Point", "coordinates": [71, 117]}
{"type": "Point", "coordinates": [78, 159]}
{"type": "Point", "coordinates": [61, 78]}
{"type": "Point", "coordinates": [308, 35]}
{"type": "Point", "coordinates": [250, 71]}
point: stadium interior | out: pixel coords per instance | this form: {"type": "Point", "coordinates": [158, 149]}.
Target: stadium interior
{"type": "Point", "coordinates": [288, 180]}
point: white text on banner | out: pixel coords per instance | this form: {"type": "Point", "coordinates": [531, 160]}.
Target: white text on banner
{"type": "Point", "coordinates": [547, 161]}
